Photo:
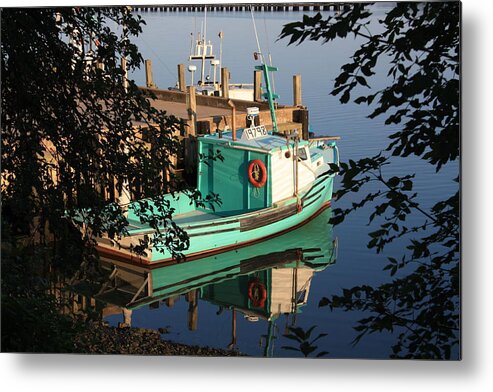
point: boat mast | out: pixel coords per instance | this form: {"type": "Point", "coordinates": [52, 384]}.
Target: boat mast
{"type": "Point", "coordinates": [203, 50]}
{"type": "Point", "coordinates": [269, 95]}
{"type": "Point", "coordinates": [269, 341]}
{"type": "Point", "coordinates": [204, 47]}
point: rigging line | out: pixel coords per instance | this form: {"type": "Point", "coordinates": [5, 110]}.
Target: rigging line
{"type": "Point", "coordinates": [157, 56]}
{"type": "Point", "coordinates": [256, 35]}
{"type": "Point", "coordinates": [269, 52]}
{"type": "Point", "coordinates": [221, 35]}
{"type": "Point", "coordinates": [267, 40]}
{"type": "Point", "coordinates": [205, 23]}
{"type": "Point", "coordinates": [191, 45]}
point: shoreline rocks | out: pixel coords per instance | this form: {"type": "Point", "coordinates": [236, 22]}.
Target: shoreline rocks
{"type": "Point", "coordinates": [99, 338]}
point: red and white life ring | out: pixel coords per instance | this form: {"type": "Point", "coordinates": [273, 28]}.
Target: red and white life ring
{"type": "Point", "coordinates": [257, 173]}
{"type": "Point", "coordinates": [257, 293]}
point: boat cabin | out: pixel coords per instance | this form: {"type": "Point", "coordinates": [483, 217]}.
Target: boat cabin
{"type": "Point", "coordinates": [254, 169]}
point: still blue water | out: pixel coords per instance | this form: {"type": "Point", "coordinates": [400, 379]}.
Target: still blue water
{"type": "Point", "coordinates": [166, 41]}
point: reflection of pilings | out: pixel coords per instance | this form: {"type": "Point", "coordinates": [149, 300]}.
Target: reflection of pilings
{"type": "Point", "coordinates": [170, 301]}
{"type": "Point", "coordinates": [269, 345]}
{"type": "Point", "coordinates": [68, 301]}
{"type": "Point", "coordinates": [154, 305]}
{"type": "Point", "coordinates": [233, 329]}
{"type": "Point", "coordinates": [127, 318]}
{"type": "Point", "coordinates": [193, 309]}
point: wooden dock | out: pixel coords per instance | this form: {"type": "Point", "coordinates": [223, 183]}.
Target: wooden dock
{"type": "Point", "coordinates": [243, 7]}
{"type": "Point", "coordinates": [199, 115]}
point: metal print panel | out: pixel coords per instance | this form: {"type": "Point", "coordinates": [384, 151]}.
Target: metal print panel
{"type": "Point", "coordinates": [262, 180]}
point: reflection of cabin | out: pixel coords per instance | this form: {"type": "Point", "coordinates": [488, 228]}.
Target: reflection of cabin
{"type": "Point", "coordinates": [286, 290]}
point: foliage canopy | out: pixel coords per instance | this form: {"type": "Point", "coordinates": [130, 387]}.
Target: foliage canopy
{"type": "Point", "coordinates": [73, 128]}
{"type": "Point", "coordinates": [73, 125]}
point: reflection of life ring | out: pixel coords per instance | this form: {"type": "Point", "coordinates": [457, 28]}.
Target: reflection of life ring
{"type": "Point", "coordinates": [257, 173]}
{"type": "Point", "coordinates": [257, 293]}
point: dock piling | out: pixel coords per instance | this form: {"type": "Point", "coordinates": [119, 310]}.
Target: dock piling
{"type": "Point", "coordinates": [181, 77]}
{"type": "Point", "coordinates": [304, 124]}
{"type": "Point", "coordinates": [225, 82]}
{"type": "Point", "coordinates": [149, 80]}
{"type": "Point", "coordinates": [192, 110]}
{"type": "Point", "coordinates": [297, 90]}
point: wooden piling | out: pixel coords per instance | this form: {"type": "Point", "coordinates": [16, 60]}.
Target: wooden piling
{"type": "Point", "coordinates": [304, 124]}
{"type": "Point", "coordinates": [192, 110]}
{"type": "Point", "coordinates": [181, 78]}
{"type": "Point", "coordinates": [225, 82]}
{"type": "Point", "coordinates": [297, 90]}
{"type": "Point", "coordinates": [257, 86]}
{"type": "Point", "coordinates": [233, 119]}
{"type": "Point", "coordinates": [149, 80]}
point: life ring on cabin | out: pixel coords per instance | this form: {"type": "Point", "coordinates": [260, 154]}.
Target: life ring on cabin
{"type": "Point", "coordinates": [257, 173]}
{"type": "Point", "coordinates": [257, 293]}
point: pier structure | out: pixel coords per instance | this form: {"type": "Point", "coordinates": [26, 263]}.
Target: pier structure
{"type": "Point", "coordinates": [200, 115]}
{"type": "Point", "coordinates": [241, 7]}
{"type": "Point", "coordinates": [205, 114]}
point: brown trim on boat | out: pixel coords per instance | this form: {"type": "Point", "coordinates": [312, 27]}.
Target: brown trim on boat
{"type": "Point", "coordinates": [211, 252]}
{"type": "Point", "coordinates": [213, 232]}
{"type": "Point", "coordinates": [213, 223]}
{"type": "Point", "coordinates": [122, 257]}
{"type": "Point", "coordinates": [274, 216]}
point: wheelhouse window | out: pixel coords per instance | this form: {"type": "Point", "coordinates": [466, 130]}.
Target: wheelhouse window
{"type": "Point", "coordinates": [302, 154]}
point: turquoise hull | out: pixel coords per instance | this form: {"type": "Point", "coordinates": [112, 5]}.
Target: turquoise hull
{"type": "Point", "coordinates": [218, 234]}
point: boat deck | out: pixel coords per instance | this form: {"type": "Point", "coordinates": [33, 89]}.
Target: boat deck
{"type": "Point", "coordinates": [196, 216]}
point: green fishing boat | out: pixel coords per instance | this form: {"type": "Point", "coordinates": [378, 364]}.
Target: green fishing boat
{"type": "Point", "coordinates": [268, 184]}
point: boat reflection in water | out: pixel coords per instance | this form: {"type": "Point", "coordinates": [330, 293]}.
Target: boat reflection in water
{"type": "Point", "coordinates": [261, 282]}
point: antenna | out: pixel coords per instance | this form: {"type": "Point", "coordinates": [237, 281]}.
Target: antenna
{"type": "Point", "coordinates": [221, 36]}
{"type": "Point", "coordinates": [205, 24]}
{"type": "Point", "coordinates": [204, 47]}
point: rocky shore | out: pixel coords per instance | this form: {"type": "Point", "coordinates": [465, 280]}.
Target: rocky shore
{"type": "Point", "coordinates": [99, 338]}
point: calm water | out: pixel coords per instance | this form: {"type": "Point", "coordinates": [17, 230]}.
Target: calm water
{"type": "Point", "coordinates": [166, 40]}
